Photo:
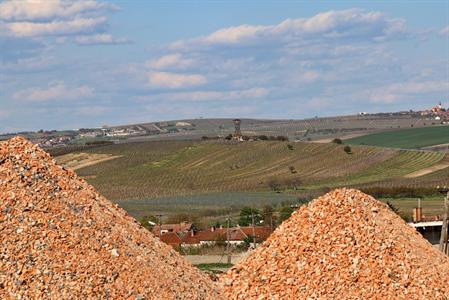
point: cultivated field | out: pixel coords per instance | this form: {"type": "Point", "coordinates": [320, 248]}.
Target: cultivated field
{"type": "Point", "coordinates": [218, 177]}
{"type": "Point", "coordinates": [412, 138]}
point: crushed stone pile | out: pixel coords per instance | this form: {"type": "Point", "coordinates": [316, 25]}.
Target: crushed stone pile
{"type": "Point", "coordinates": [344, 245]}
{"type": "Point", "coordinates": [61, 240]}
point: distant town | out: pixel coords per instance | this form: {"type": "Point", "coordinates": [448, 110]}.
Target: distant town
{"type": "Point", "coordinates": [314, 129]}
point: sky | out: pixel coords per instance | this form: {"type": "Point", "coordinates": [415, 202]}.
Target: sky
{"type": "Point", "coordinates": [73, 64]}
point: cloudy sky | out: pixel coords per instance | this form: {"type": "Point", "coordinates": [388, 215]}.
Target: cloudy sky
{"type": "Point", "coordinates": [71, 64]}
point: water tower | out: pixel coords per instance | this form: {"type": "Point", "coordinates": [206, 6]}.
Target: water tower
{"type": "Point", "coordinates": [237, 132]}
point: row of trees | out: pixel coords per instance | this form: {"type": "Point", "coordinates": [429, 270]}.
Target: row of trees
{"type": "Point", "coordinates": [266, 216]}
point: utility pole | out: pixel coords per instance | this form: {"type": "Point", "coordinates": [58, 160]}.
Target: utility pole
{"type": "Point", "coordinates": [254, 230]}
{"type": "Point", "coordinates": [444, 228]}
{"type": "Point", "coordinates": [227, 242]}
{"type": "Point", "coordinates": [160, 225]}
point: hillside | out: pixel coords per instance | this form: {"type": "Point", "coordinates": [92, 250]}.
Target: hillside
{"type": "Point", "coordinates": [412, 138]}
{"type": "Point", "coordinates": [172, 168]}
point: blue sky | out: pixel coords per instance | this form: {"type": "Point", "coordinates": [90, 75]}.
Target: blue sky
{"type": "Point", "coordinates": [72, 64]}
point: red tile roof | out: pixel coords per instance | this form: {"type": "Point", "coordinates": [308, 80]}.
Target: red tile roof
{"type": "Point", "coordinates": [171, 239]}
{"type": "Point", "coordinates": [181, 227]}
{"type": "Point", "coordinates": [235, 234]}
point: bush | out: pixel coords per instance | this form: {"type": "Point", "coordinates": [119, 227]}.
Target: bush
{"type": "Point", "coordinates": [145, 221]}
{"type": "Point", "coordinates": [400, 192]}
{"type": "Point", "coordinates": [290, 147]}
{"type": "Point", "coordinates": [274, 184]}
{"type": "Point", "coordinates": [246, 215]}
{"type": "Point", "coordinates": [282, 138]}
{"type": "Point", "coordinates": [337, 141]}
{"type": "Point", "coordinates": [347, 149]}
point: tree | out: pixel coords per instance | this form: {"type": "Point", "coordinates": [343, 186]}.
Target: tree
{"type": "Point", "coordinates": [285, 213]}
{"type": "Point", "coordinates": [347, 149]}
{"type": "Point", "coordinates": [148, 221]}
{"type": "Point", "coordinates": [337, 141]}
{"type": "Point", "coordinates": [246, 215]}
{"type": "Point", "coordinates": [274, 184]}
{"type": "Point", "coordinates": [282, 138]}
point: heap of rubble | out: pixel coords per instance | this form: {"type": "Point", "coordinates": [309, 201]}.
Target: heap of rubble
{"type": "Point", "coordinates": [343, 245]}
{"type": "Point", "coordinates": [60, 239]}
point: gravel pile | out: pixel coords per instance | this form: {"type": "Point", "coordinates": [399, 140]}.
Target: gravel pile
{"type": "Point", "coordinates": [343, 245]}
{"type": "Point", "coordinates": [61, 240]}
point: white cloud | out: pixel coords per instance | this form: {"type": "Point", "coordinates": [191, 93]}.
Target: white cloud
{"type": "Point", "coordinates": [345, 24]}
{"type": "Point", "coordinates": [253, 93]}
{"type": "Point", "coordinates": [75, 26]}
{"type": "Point", "coordinates": [445, 31]}
{"type": "Point", "coordinates": [170, 61]}
{"type": "Point", "coordinates": [100, 39]}
{"type": "Point", "coordinates": [398, 91]}
{"type": "Point", "coordinates": [39, 10]}
{"type": "Point", "coordinates": [175, 80]}
{"type": "Point", "coordinates": [55, 91]}
{"type": "Point", "coordinates": [61, 18]}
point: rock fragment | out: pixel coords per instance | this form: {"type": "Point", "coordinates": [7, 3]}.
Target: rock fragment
{"type": "Point", "coordinates": [343, 245]}
{"type": "Point", "coordinates": [61, 240]}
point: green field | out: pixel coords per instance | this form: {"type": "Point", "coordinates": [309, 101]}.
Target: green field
{"type": "Point", "coordinates": [216, 178]}
{"type": "Point", "coordinates": [212, 205]}
{"type": "Point", "coordinates": [412, 138]}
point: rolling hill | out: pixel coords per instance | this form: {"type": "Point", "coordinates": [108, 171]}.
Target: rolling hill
{"type": "Point", "coordinates": [174, 168]}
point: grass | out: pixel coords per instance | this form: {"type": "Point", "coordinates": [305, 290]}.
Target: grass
{"type": "Point", "coordinates": [431, 205]}
{"type": "Point", "coordinates": [214, 204]}
{"type": "Point", "coordinates": [412, 138]}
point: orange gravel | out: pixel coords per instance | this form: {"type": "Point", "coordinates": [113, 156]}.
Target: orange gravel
{"type": "Point", "coordinates": [343, 245]}
{"type": "Point", "coordinates": [60, 239]}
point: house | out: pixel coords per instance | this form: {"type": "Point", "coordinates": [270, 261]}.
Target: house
{"type": "Point", "coordinates": [180, 228]}
{"type": "Point", "coordinates": [172, 239]}
{"type": "Point", "coordinates": [237, 236]}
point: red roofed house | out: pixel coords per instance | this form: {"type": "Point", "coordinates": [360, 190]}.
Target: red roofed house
{"type": "Point", "coordinates": [172, 239]}
{"type": "Point", "coordinates": [237, 236]}
{"type": "Point", "coordinates": [181, 228]}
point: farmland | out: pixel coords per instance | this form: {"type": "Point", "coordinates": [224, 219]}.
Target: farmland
{"type": "Point", "coordinates": [412, 138]}
{"type": "Point", "coordinates": [216, 177]}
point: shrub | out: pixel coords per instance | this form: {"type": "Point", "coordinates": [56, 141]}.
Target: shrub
{"type": "Point", "coordinates": [337, 141]}
{"type": "Point", "coordinates": [274, 184]}
{"type": "Point", "coordinates": [292, 170]}
{"type": "Point", "coordinates": [145, 221]}
{"type": "Point", "coordinates": [290, 147]}
{"type": "Point", "coordinates": [347, 149]}
{"type": "Point", "coordinates": [246, 215]}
